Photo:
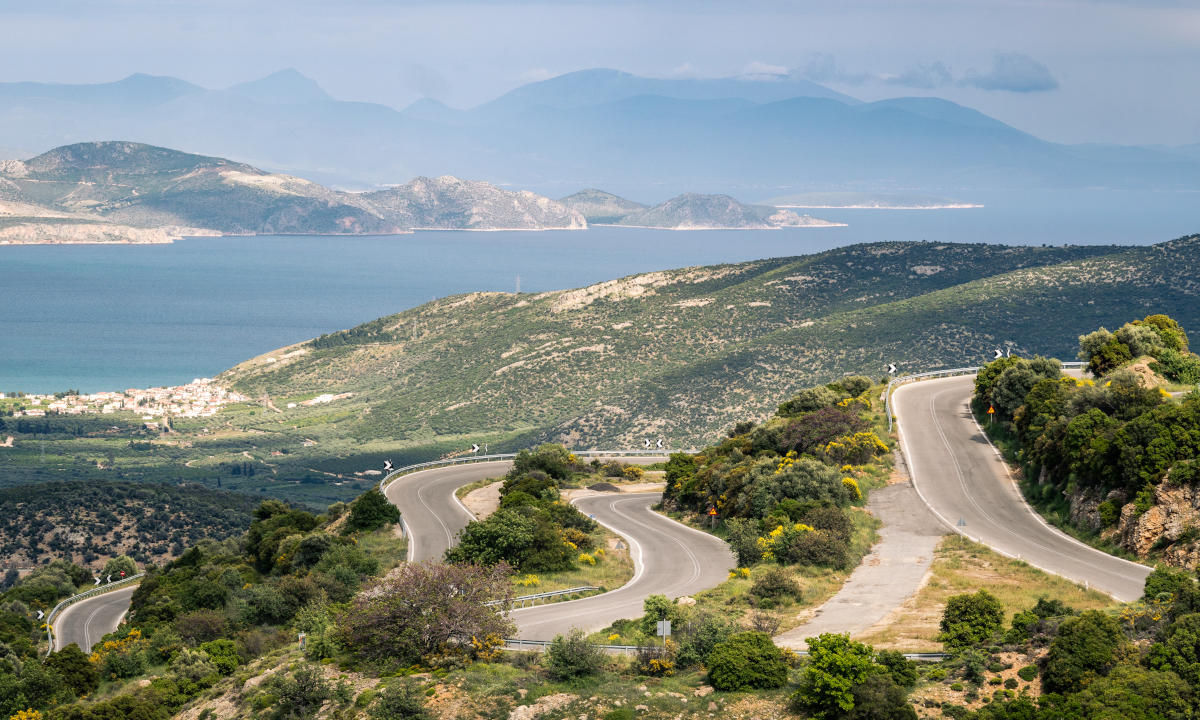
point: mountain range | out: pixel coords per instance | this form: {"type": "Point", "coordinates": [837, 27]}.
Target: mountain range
{"type": "Point", "coordinates": [593, 128]}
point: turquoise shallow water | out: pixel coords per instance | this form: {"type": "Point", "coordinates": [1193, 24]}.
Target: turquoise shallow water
{"type": "Point", "coordinates": [110, 317]}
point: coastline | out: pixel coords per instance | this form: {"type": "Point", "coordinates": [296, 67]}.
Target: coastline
{"type": "Point", "coordinates": [954, 206]}
{"type": "Point", "coordinates": [705, 227]}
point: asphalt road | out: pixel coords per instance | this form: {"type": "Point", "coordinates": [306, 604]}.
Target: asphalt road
{"type": "Point", "coordinates": [85, 622]}
{"type": "Point", "coordinates": [963, 479]}
{"type": "Point", "coordinates": [669, 558]}
{"type": "Point", "coordinates": [431, 513]}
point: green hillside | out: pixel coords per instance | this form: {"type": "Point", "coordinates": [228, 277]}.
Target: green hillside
{"type": "Point", "coordinates": [684, 354]}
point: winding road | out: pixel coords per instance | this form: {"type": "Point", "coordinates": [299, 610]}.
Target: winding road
{"type": "Point", "coordinates": [955, 470]}
{"type": "Point", "coordinates": [963, 479]}
{"type": "Point", "coordinates": [85, 622]}
{"type": "Point", "coordinates": [669, 558]}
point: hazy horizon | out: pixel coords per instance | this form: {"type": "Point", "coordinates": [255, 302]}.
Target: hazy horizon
{"type": "Point", "coordinates": [1070, 71]}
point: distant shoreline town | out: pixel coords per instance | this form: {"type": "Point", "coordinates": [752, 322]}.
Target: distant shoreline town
{"type": "Point", "coordinates": [202, 397]}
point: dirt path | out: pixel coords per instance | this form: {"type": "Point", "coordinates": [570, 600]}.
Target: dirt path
{"type": "Point", "coordinates": [483, 501]}
{"type": "Point", "coordinates": [897, 566]}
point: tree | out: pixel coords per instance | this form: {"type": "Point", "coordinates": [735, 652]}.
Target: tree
{"type": "Point", "coordinates": [1179, 649]}
{"type": "Point", "coordinates": [73, 665]}
{"type": "Point", "coordinates": [1086, 647]}
{"type": "Point", "coordinates": [747, 661]}
{"type": "Point", "coordinates": [1129, 693]}
{"type": "Point", "coordinates": [836, 666]}
{"type": "Point", "coordinates": [880, 698]}
{"type": "Point", "coordinates": [571, 656]}
{"type": "Point", "coordinates": [427, 608]}
{"type": "Point", "coordinates": [902, 670]}
{"type": "Point", "coordinates": [742, 535]}
{"type": "Point", "coordinates": [971, 619]}
{"type": "Point", "coordinates": [371, 511]}
{"type": "Point", "coordinates": [117, 565]}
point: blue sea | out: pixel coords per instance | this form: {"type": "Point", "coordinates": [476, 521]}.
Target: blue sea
{"type": "Point", "coordinates": [93, 317]}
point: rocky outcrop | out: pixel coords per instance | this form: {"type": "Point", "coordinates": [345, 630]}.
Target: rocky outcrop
{"type": "Point", "coordinates": [49, 233]}
{"type": "Point", "coordinates": [1170, 525]}
{"type": "Point", "coordinates": [448, 203]}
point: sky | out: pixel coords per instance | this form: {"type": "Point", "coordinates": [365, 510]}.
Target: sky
{"type": "Point", "coordinates": [1074, 71]}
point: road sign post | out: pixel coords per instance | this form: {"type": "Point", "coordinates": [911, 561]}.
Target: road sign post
{"type": "Point", "coordinates": [991, 412]}
{"type": "Point", "coordinates": [712, 517]}
{"type": "Point", "coordinates": [663, 629]}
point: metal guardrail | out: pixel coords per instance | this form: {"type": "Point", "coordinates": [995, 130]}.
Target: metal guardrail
{"type": "Point", "coordinates": [540, 596]}
{"type": "Point", "coordinates": [905, 379]}
{"type": "Point", "coordinates": [516, 643]}
{"type": "Point", "coordinates": [64, 604]}
{"type": "Point", "coordinates": [471, 459]}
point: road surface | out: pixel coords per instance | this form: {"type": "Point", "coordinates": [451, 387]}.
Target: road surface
{"type": "Point", "coordinates": [431, 513]}
{"type": "Point", "coordinates": [669, 558]}
{"type": "Point", "coordinates": [85, 622]}
{"type": "Point", "coordinates": [965, 482]}
{"type": "Point", "coordinates": [892, 572]}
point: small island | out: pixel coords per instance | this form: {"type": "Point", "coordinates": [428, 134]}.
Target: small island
{"type": "Point", "coordinates": [689, 211]}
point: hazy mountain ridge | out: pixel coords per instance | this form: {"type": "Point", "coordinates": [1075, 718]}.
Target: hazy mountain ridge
{"type": "Point", "coordinates": [600, 128]}
{"type": "Point", "coordinates": [599, 206]}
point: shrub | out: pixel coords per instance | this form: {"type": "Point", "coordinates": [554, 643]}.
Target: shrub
{"type": "Point", "coordinates": [1011, 683]}
{"type": "Point", "coordinates": [400, 701]}
{"type": "Point", "coordinates": [811, 399]}
{"type": "Point", "coordinates": [970, 619]}
{"type": "Point", "coordinates": [571, 656]}
{"type": "Point", "coordinates": [223, 655]}
{"type": "Point", "coordinates": [742, 535]}
{"type": "Point", "coordinates": [1085, 647]}
{"type": "Point", "coordinates": [656, 608]}
{"type": "Point", "coordinates": [300, 694]}
{"type": "Point", "coordinates": [1027, 673]}
{"type": "Point", "coordinates": [371, 511]}
{"type": "Point", "coordinates": [880, 698]}
{"type": "Point", "coordinates": [902, 670]}
{"type": "Point", "coordinates": [836, 665]}
{"type": "Point", "coordinates": [747, 661]}
{"type": "Point", "coordinates": [774, 587]}
{"type": "Point", "coordinates": [656, 660]}
{"type": "Point", "coordinates": [699, 636]}
{"type": "Point", "coordinates": [409, 615]}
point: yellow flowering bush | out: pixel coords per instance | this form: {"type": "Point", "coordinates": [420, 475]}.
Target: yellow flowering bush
{"type": "Point", "coordinates": [780, 538]}
{"type": "Point", "coordinates": [786, 462]}
{"type": "Point", "coordinates": [739, 572]}
{"type": "Point", "coordinates": [586, 559]}
{"type": "Point", "coordinates": [859, 448]}
{"type": "Point", "coordinates": [852, 485]}
{"type": "Point", "coordinates": [529, 581]}
{"type": "Point", "coordinates": [29, 714]}
{"type": "Point", "coordinates": [489, 648]}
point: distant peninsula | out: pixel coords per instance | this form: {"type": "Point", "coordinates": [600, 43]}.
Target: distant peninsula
{"type": "Point", "coordinates": [127, 192]}
{"type": "Point", "coordinates": [867, 201]}
{"type": "Point", "coordinates": [124, 192]}
{"type": "Point", "coordinates": [690, 211]}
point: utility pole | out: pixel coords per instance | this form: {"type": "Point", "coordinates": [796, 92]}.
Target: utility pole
{"type": "Point", "coordinates": [518, 284]}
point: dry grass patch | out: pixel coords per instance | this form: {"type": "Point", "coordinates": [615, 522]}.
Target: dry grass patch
{"type": "Point", "coordinates": [961, 566]}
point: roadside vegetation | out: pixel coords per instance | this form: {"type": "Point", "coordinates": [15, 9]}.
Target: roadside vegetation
{"type": "Point", "coordinates": [1114, 456]}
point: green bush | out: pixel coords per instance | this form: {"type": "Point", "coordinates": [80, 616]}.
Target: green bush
{"type": "Point", "coordinates": [970, 620]}
{"type": "Point", "coordinates": [1085, 647]}
{"type": "Point", "coordinates": [1028, 673]}
{"type": "Point", "coordinates": [401, 700]}
{"type": "Point", "coordinates": [299, 694]}
{"type": "Point", "coordinates": [371, 511]}
{"type": "Point", "coordinates": [880, 698]}
{"type": "Point", "coordinates": [572, 656]}
{"type": "Point", "coordinates": [1011, 683]}
{"type": "Point", "coordinates": [747, 661]}
{"type": "Point", "coordinates": [775, 587]}
{"type": "Point", "coordinates": [836, 665]}
{"type": "Point", "coordinates": [902, 670]}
